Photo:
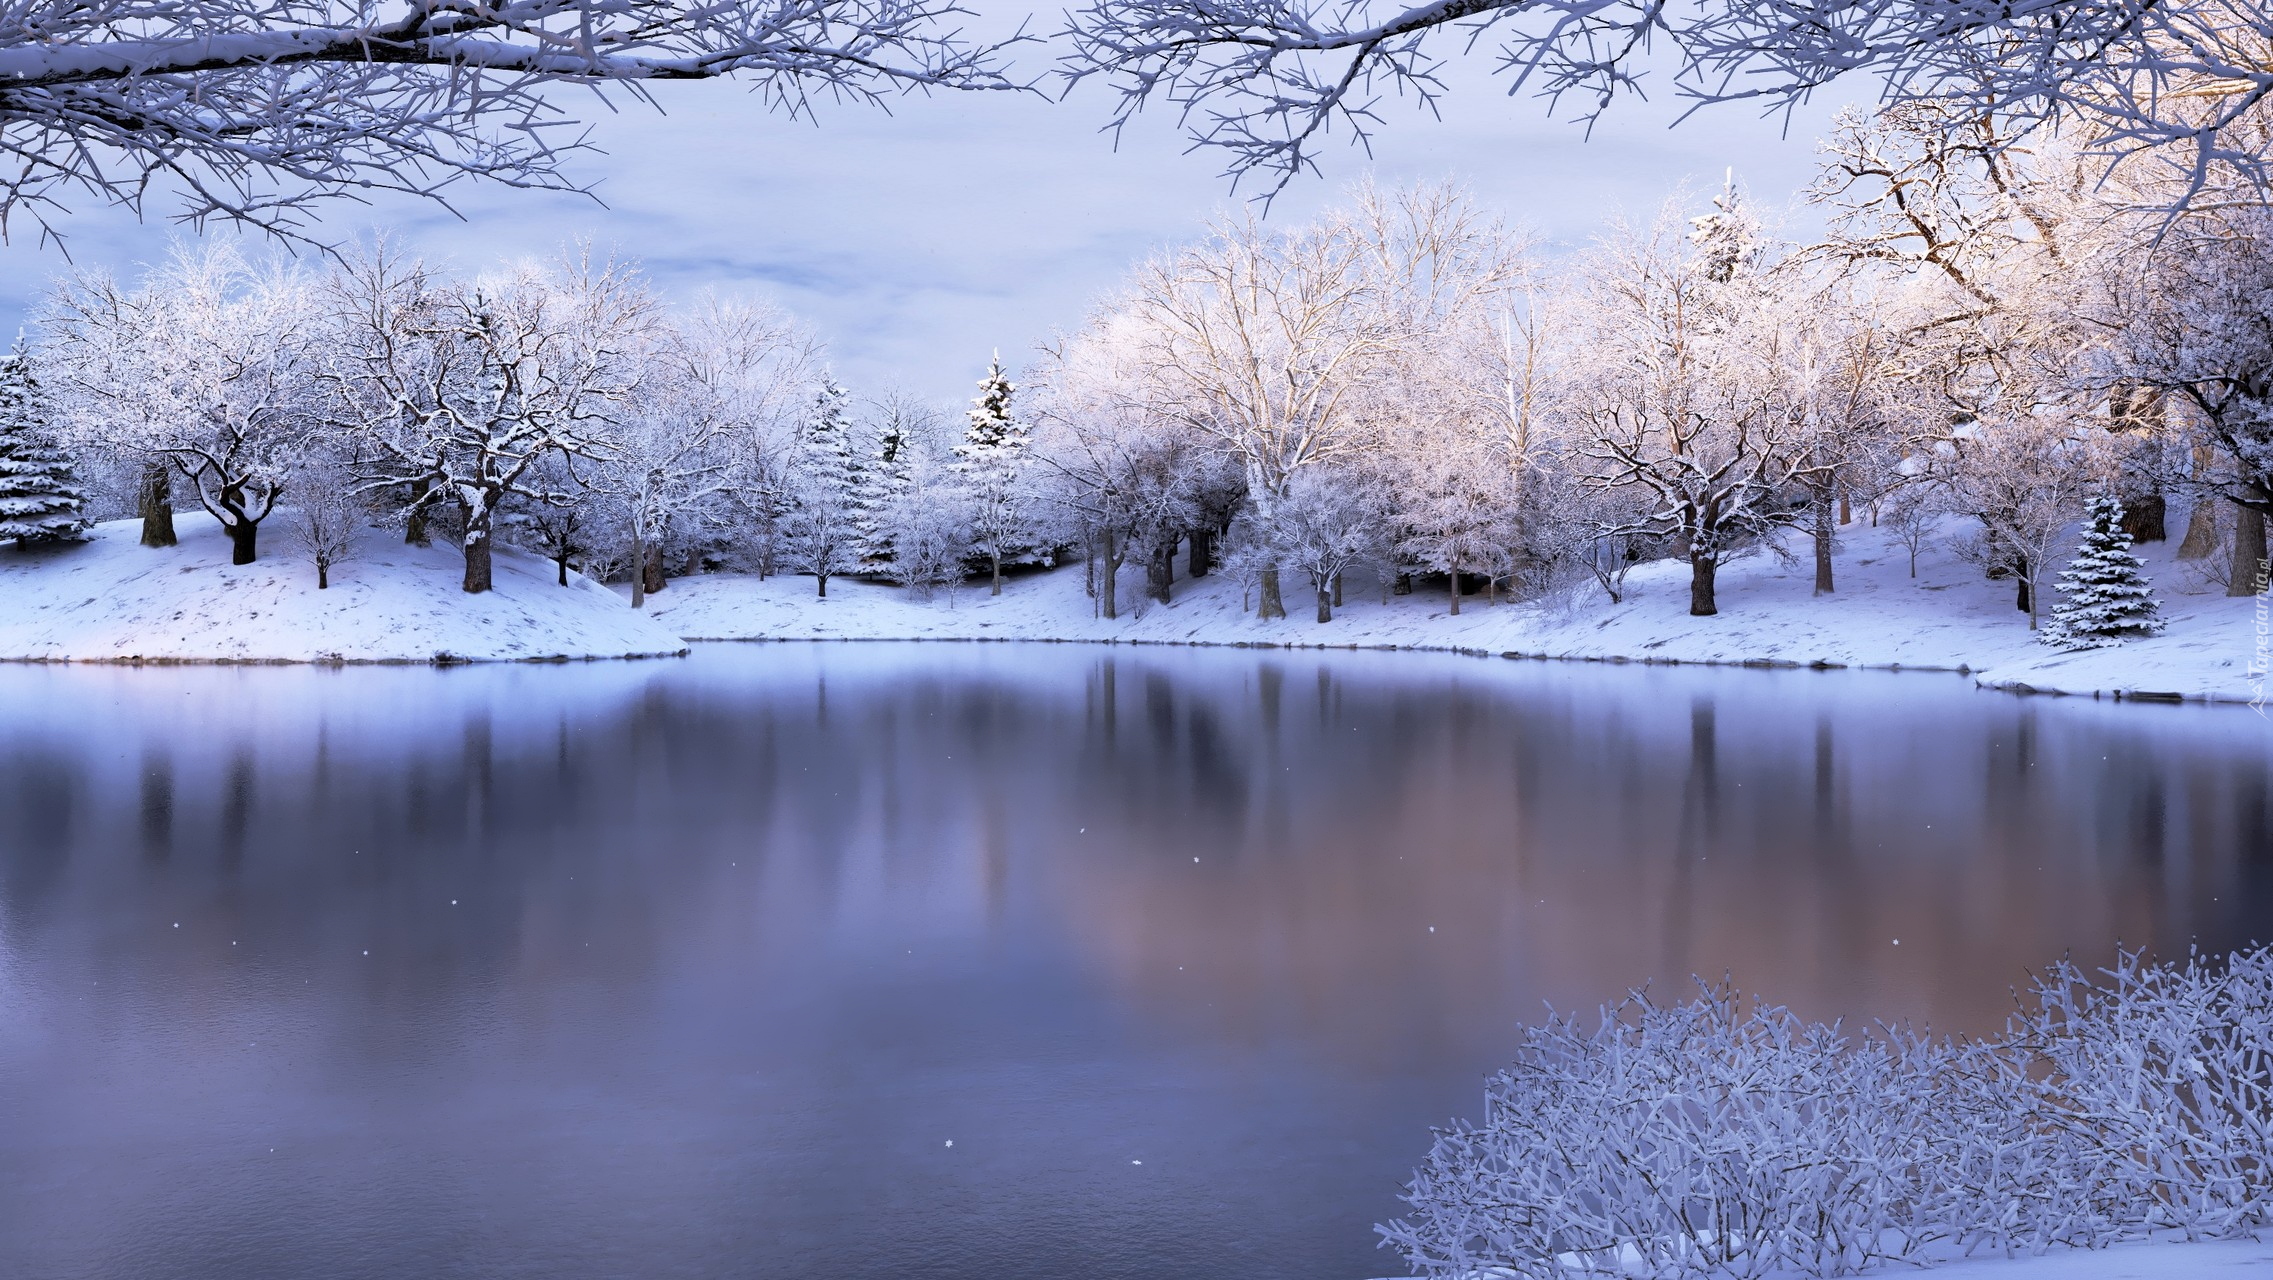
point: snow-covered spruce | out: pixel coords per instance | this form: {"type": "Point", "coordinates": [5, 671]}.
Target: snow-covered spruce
{"type": "Point", "coordinates": [822, 531]}
{"type": "Point", "coordinates": [2106, 596]}
{"type": "Point", "coordinates": [40, 497]}
{"type": "Point", "coordinates": [993, 462]}
{"type": "Point", "coordinates": [1720, 1139]}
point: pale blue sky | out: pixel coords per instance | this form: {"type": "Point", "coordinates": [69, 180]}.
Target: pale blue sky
{"type": "Point", "coordinates": [918, 242]}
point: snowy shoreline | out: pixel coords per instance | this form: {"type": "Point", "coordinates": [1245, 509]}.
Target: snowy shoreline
{"type": "Point", "coordinates": [112, 601]}
{"type": "Point", "coordinates": [1948, 620]}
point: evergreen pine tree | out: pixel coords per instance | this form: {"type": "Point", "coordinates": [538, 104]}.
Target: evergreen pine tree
{"type": "Point", "coordinates": [992, 463]}
{"type": "Point", "coordinates": [40, 500]}
{"type": "Point", "coordinates": [883, 483]}
{"type": "Point", "coordinates": [2107, 596]}
{"type": "Point", "coordinates": [822, 529]}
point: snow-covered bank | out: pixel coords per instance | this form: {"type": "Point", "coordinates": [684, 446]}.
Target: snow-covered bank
{"type": "Point", "coordinates": [1949, 618]}
{"type": "Point", "coordinates": [113, 600]}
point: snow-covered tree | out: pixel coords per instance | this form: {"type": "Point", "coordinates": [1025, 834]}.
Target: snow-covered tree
{"type": "Point", "coordinates": [2022, 479]}
{"type": "Point", "coordinates": [327, 511]}
{"type": "Point", "coordinates": [705, 412]}
{"type": "Point", "coordinates": [40, 496]}
{"type": "Point", "coordinates": [1327, 524]}
{"type": "Point", "coordinates": [994, 461]}
{"type": "Point", "coordinates": [458, 390]}
{"type": "Point", "coordinates": [1687, 393]}
{"type": "Point", "coordinates": [2106, 597]}
{"type": "Point", "coordinates": [821, 532]}
{"type": "Point", "coordinates": [252, 110]}
{"type": "Point", "coordinates": [204, 366]}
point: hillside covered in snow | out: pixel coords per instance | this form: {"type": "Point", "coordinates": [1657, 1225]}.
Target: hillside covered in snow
{"type": "Point", "coordinates": [110, 599]}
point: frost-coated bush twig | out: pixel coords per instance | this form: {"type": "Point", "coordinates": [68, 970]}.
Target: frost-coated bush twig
{"type": "Point", "coordinates": [1728, 1139]}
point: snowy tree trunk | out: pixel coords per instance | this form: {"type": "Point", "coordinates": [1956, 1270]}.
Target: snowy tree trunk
{"type": "Point", "coordinates": [1326, 599]}
{"type": "Point", "coordinates": [414, 525]}
{"type": "Point", "coordinates": [1824, 530]}
{"type": "Point", "coordinates": [1203, 551]}
{"type": "Point", "coordinates": [2248, 576]}
{"type": "Point", "coordinates": [651, 568]}
{"type": "Point", "coordinates": [1701, 571]}
{"type": "Point", "coordinates": [477, 550]}
{"type": "Point", "coordinates": [994, 559]}
{"type": "Point", "coordinates": [156, 505]}
{"type": "Point", "coordinates": [638, 570]}
{"type": "Point", "coordinates": [1270, 605]}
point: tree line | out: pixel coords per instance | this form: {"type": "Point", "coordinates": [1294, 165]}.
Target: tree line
{"type": "Point", "coordinates": [1985, 339]}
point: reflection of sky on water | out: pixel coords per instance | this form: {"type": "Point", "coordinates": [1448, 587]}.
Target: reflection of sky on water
{"type": "Point", "coordinates": [693, 968]}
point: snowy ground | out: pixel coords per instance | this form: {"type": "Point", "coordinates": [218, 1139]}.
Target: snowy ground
{"type": "Point", "coordinates": [1949, 617]}
{"type": "Point", "coordinates": [114, 600]}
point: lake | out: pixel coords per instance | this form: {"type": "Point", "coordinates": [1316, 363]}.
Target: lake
{"type": "Point", "coordinates": [979, 962]}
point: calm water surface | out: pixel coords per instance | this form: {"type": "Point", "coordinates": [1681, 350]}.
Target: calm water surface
{"type": "Point", "coordinates": [982, 962]}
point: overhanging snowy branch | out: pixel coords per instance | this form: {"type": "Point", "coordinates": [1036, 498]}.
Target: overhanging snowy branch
{"type": "Point", "coordinates": [253, 109]}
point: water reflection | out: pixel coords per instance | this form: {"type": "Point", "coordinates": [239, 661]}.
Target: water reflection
{"type": "Point", "coordinates": [695, 968]}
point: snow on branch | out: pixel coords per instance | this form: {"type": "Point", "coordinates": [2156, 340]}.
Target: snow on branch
{"type": "Point", "coordinates": [253, 109]}
{"type": "Point", "coordinates": [2185, 81]}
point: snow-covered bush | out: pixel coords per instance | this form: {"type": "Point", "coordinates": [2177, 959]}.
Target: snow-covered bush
{"type": "Point", "coordinates": [1730, 1140]}
{"type": "Point", "coordinates": [1709, 1138]}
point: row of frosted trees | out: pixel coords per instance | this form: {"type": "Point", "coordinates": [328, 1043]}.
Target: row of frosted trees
{"type": "Point", "coordinates": [560, 407]}
{"type": "Point", "coordinates": [1990, 334]}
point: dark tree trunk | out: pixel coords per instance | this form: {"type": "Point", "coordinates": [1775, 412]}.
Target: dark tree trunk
{"type": "Point", "coordinates": [1109, 576]}
{"type": "Point", "coordinates": [638, 572]}
{"type": "Point", "coordinates": [1271, 605]}
{"type": "Point", "coordinates": [1401, 585]}
{"type": "Point", "coordinates": [323, 575]}
{"type": "Point", "coordinates": [1701, 571]}
{"type": "Point", "coordinates": [156, 505]}
{"type": "Point", "coordinates": [1326, 599]}
{"type": "Point", "coordinates": [2248, 576]}
{"type": "Point", "coordinates": [1203, 553]}
{"type": "Point", "coordinates": [652, 571]}
{"type": "Point", "coordinates": [1454, 596]}
{"type": "Point", "coordinates": [477, 546]}
{"type": "Point", "coordinates": [244, 540]}
{"type": "Point", "coordinates": [414, 525]}
{"type": "Point", "coordinates": [820, 586]}
{"type": "Point", "coordinates": [1337, 590]}
{"type": "Point", "coordinates": [2021, 595]}
{"type": "Point", "coordinates": [996, 561]}
{"type": "Point", "coordinates": [562, 561]}
{"type": "Point", "coordinates": [2146, 517]}
{"type": "Point", "coordinates": [1846, 507]}
{"type": "Point", "coordinates": [1824, 530]}
{"type": "Point", "coordinates": [1160, 572]}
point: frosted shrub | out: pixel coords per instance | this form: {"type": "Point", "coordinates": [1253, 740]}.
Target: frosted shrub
{"type": "Point", "coordinates": [2161, 1077]}
{"type": "Point", "coordinates": [1709, 1138]}
{"type": "Point", "coordinates": [1719, 1140]}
